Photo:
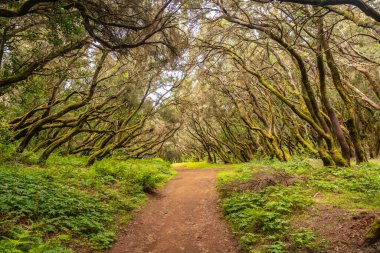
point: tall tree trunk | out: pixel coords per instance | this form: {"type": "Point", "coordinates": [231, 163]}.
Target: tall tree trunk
{"type": "Point", "coordinates": [324, 97]}
{"type": "Point", "coordinates": [352, 121]}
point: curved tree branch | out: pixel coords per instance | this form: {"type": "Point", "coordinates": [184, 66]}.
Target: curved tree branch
{"type": "Point", "coordinates": [24, 9]}
{"type": "Point", "coordinates": [364, 7]}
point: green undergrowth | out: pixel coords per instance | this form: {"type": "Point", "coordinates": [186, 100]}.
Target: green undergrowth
{"type": "Point", "coordinates": [263, 217]}
{"type": "Point", "coordinates": [203, 165]}
{"type": "Point", "coordinates": [64, 205]}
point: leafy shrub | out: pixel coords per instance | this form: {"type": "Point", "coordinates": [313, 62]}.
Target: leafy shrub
{"type": "Point", "coordinates": [265, 212]}
{"type": "Point", "coordinates": [66, 198]}
{"type": "Point", "coordinates": [304, 238]}
{"type": "Point", "coordinates": [57, 208]}
{"type": "Point", "coordinates": [20, 240]}
{"type": "Point", "coordinates": [249, 239]}
{"type": "Point", "coordinates": [269, 212]}
{"type": "Point", "coordinates": [103, 240]}
{"type": "Point", "coordinates": [8, 153]}
{"type": "Point", "coordinates": [146, 174]}
{"type": "Point", "coordinates": [276, 247]}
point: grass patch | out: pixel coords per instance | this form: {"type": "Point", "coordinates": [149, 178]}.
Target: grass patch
{"type": "Point", "coordinates": [66, 205]}
{"type": "Point", "coordinates": [262, 218]}
{"type": "Point", "coordinates": [203, 165]}
{"type": "Point", "coordinates": [354, 187]}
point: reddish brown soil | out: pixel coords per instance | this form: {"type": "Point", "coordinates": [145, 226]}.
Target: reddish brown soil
{"type": "Point", "coordinates": [182, 217]}
{"type": "Point", "coordinates": [343, 230]}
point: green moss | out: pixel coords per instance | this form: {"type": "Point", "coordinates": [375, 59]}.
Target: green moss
{"type": "Point", "coordinates": [373, 233]}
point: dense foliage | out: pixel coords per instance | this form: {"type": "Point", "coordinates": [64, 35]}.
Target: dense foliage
{"type": "Point", "coordinates": [44, 209]}
{"type": "Point", "coordinates": [265, 219]}
{"type": "Point", "coordinates": [237, 78]}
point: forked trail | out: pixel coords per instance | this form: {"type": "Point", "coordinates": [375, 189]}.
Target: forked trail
{"type": "Point", "coordinates": [182, 217]}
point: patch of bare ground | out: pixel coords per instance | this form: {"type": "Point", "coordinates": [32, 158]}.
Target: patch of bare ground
{"type": "Point", "coordinates": [265, 177]}
{"type": "Point", "coordinates": [343, 230]}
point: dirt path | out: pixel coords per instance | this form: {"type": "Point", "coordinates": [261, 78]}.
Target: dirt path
{"type": "Point", "coordinates": [182, 217]}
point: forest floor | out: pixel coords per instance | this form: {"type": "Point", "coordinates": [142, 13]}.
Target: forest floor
{"type": "Point", "coordinates": [262, 206]}
{"type": "Point", "coordinates": [182, 217]}
{"type": "Point", "coordinates": [303, 208]}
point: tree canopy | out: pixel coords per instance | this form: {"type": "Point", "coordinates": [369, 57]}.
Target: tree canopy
{"type": "Point", "coordinates": [222, 80]}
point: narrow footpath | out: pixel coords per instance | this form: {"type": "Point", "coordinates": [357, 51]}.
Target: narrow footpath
{"type": "Point", "coordinates": [182, 217]}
